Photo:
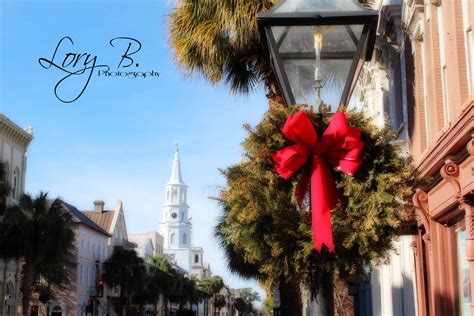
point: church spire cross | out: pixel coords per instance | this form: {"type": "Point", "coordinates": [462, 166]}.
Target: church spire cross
{"type": "Point", "coordinates": [176, 177]}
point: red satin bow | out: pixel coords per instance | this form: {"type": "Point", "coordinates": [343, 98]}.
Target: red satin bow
{"type": "Point", "coordinates": [340, 145]}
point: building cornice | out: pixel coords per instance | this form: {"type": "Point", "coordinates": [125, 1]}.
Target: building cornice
{"type": "Point", "coordinates": [451, 143]}
{"type": "Point", "coordinates": [412, 18]}
{"type": "Point", "coordinates": [15, 133]}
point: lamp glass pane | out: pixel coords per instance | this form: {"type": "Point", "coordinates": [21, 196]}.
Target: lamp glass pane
{"type": "Point", "coordinates": [296, 49]}
{"type": "Point", "coordinates": [335, 38]}
{"type": "Point", "coordinates": [300, 74]}
{"type": "Point", "coordinates": [288, 6]}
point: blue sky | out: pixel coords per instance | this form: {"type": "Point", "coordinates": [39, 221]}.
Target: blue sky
{"type": "Point", "coordinates": [117, 140]}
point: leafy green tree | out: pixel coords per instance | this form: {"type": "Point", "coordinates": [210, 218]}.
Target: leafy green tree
{"type": "Point", "coordinates": [248, 296]}
{"type": "Point", "coordinates": [218, 302]}
{"type": "Point", "coordinates": [204, 291]}
{"type": "Point", "coordinates": [45, 237]}
{"type": "Point", "coordinates": [266, 236]}
{"type": "Point", "coordinates": [241, 306]}
{"type": "Point", "coordinates": [209, 288]}
{"type": "Point", "coordinates": [125, 269]}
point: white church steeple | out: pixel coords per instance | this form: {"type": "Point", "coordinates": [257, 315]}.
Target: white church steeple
{"type": "Point", "coordinates": [176, 225]}
{"type": "Point", "coordinates": [176, 177]}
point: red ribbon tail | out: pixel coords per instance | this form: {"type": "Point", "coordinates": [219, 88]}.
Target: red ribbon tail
{"type": "Point", "coordinates": [323, 199]}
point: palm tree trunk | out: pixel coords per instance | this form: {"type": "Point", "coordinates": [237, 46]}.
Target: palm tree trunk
{"type": "Point", "coordinates": [274, 94]}
{"type": "Point", "coordinates": [290, 297]}
{"type": "Point", "coordinates": [26, 286]}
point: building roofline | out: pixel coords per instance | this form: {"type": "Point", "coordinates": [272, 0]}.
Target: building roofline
{"type": "Point", "coordinates": [82, 218]}
{"type": "Point", "coordinates": [15, 132]}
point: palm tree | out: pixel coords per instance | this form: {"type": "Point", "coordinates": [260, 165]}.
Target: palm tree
{"type": "Point", "coordinates": [220, 40]}
{"type": "Point", "coordinates": [153, 286]}
{"type": "Point", "coordinates": [44, 234]}
{"type": "Point", "coordinates": [166, 279]}
{"type": "Point", "coordinates": [125, 269]}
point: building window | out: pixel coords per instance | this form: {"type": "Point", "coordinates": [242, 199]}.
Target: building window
{"type": "Point", "coordinates": [16, 183]}
{"type": "Point", "coordinates": [57, 311]}
{"type": "Point", "coordinates": [445, 96]}
{"type": "Point", "coordinates": [463, 271]}
{"type": "Point", "coordinates": [468, 43]}
{"type": "Point", "coordinates": [396, 108]}
{"type": "Point", "coordinates": [172, 238]}
{"type": "Point", "coordinates": [470, 60]}
{"type": "Point", "coordinates": [86, 276]}
{"type": "Point", "coordinates": [185, 239]}
{"type": "Point", "coordinates": [196, 259]}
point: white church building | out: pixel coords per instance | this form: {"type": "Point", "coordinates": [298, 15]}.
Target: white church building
{"type": "Point", "coordinates": [176, 227]}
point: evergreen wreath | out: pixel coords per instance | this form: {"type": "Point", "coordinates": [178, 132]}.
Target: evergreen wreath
{"type": "Point", "coordinates": [265, 235]}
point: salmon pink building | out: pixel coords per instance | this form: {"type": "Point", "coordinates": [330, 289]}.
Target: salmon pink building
{"type": "Point", "coordinates": [440, 77]}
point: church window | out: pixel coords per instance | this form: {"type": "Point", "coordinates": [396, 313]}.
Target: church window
{"type": "Point", "coordinates": [168, 195]}
{"type": "Point", "coordinates": [172, 238]}
{"type": "Point", "coordinates": [175, 195]}
{"type": "Point", "coordinates": [196, 259]}
{"type": "Point", "coordinates": [182, 197]}
{"type": "Point", "coordinates": [185, 239]}
{"type": "Point", "coordinates": [16, 180]}
{"type": "Point", "coordinates": [182, 216]}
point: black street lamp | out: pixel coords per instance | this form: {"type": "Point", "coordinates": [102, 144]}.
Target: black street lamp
{"type": "Point", "coordinates": [318, 47]}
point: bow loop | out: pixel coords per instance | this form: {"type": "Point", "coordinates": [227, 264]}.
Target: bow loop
{"type": "Point", "coordinates": [299, 129]}
{"type": "Point", "coordinates": [290, 159]}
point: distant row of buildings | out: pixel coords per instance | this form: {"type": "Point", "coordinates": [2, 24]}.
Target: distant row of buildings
{"type": "Point", "coordinates": [97, 232]}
